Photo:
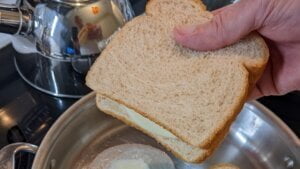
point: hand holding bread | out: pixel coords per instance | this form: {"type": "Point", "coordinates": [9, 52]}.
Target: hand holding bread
{"type": "Point", "coordinates": [191, 97]}
{"type": "Point", "coordinates": [276, 20]}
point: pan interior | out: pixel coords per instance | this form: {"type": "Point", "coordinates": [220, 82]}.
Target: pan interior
{"type": "Point", "coordinates": [248, 145]}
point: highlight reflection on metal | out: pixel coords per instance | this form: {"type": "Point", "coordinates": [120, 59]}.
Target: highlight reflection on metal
{"type": "Point", "coordinates": [66, 34]}
{"type": "Point", "coordinates": [5, 119]}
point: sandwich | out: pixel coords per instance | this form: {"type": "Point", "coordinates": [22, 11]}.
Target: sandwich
{"type": "Point", "coordinates": [184, 99]}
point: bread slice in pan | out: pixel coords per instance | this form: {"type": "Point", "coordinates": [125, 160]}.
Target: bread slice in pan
{"type": "Point", "coordinates": [193, 95]}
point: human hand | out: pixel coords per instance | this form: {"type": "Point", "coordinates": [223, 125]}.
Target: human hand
{"type": "Point", "coordinates": [278, 21]}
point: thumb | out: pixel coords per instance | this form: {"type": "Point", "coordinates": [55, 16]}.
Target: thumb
{"type": "Point", "coordinates": [228, 25]}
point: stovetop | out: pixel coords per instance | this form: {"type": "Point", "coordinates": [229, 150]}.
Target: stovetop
{"type": "Point", "coordinates": [27, 114]}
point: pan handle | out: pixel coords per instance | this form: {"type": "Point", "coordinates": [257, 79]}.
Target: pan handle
{"type": "Point", "coordinates": [7, 154]}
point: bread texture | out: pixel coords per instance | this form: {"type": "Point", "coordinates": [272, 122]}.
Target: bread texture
{"type": "Point", "coordinates": [194, 95]}
{"type": "Point", "coordinates": [166, 7]}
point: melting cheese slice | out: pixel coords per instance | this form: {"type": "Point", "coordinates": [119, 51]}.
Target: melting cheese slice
{"type": "Point", "coordinates": [136, 118]}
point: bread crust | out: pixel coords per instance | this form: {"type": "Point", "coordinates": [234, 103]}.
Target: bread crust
{"type": "Point", "coordinates": [256, 69]}
{"type": "Point", "coordinates": [202, 7]}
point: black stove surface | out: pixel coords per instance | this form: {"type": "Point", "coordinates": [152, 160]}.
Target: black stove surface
{"type": "Point", "coordinates": [27, 114]}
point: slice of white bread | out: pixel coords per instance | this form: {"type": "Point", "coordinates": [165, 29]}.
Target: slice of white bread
{"type": "Point", "coordinates": [224, 166]}
{"type": "Point", "coordinates": [194, 95]}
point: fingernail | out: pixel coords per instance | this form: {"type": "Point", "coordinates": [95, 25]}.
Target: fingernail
{"type": "Point", "coordinates": [186, 29]}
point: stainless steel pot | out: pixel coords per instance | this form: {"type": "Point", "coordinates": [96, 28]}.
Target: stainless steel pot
{"type": "Point", "coordinates": [56, 41]}
{"type": "Point", "coordinates": [257, 140]}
